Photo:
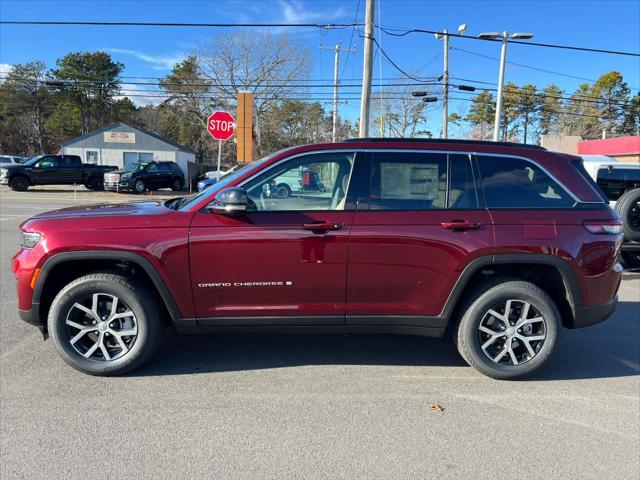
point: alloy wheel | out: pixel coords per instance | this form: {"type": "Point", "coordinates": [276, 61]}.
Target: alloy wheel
{"type": "Point", "coordinates": [512, 332]}
{"type": "Point", "coordinates": [101, 327]}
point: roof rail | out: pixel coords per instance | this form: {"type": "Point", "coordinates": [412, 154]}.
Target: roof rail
{"type": "Point", "coordinates": [447, 141]}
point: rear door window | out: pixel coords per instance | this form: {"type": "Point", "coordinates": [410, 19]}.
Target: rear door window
{"type": "Point", "coordinates": [510, 182]}
{"type": "Point", "coordinates": [408, 181]}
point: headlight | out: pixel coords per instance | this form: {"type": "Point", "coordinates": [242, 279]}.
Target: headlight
{"type": "Point", "coordinates": [125, 176]}
{"type": "Point", "coordinates": [29, 239]}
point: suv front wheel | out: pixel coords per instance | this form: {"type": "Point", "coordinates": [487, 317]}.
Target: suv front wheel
{"type": "Point", "coordinates": [104, 324]}
{"type": "Point", "coordinates": [508, 330]}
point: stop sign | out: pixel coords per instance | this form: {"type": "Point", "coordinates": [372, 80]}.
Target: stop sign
{"type": "Point", "coordinates": [220, 125]}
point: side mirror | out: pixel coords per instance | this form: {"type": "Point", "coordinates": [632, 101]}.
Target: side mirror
{"type": "Point", "coordinates": [230, 201]}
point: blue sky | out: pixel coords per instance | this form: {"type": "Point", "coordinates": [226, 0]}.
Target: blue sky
{"type": "Point", "coordinates": [151, 51]}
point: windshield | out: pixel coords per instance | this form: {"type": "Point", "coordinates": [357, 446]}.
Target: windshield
{"type": "Point", "coordinates": [184, 203]}
{"type": "Point", "coordinates": [134, 167]}
{"type": "Point", "coordinates": [32, 160]}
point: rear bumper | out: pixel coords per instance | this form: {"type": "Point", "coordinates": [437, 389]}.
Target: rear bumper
{"type": "Point", "coordinates": [586, 315]}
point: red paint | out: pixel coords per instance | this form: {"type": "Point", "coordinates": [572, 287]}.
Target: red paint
{"type": "Point", "coordinates": [610, 146]}
{"type": "Point", "coordinates": [366, 263]}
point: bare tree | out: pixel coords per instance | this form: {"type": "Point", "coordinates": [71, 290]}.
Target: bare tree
{"type": "Point", "coordinates": [261, 63]}
{"type": "Point", "coordinates": [400, 114]}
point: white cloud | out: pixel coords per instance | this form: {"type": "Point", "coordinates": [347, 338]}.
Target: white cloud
{"type": "Point", "coordinates": [5, 68]}
{"type": "Point", "coordinates": [294, 11]}
{"type": "Point", "coordinates": [157, 62]}
{"type": "Point", "coordinates": [142, 95]}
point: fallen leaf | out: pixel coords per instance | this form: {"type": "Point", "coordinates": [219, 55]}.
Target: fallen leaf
{"type": "Point", "coordinates": [435, 407]}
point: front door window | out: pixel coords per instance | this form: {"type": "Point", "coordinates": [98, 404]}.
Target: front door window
{"type": "Point", "coordinates": [307, 183]}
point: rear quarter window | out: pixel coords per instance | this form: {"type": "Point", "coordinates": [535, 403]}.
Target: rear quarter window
{"type": "Point", "coordinates": [511, 182]}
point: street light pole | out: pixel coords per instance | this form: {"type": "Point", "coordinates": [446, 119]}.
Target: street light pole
{"type": "Point", "coordinates": [503, 57]}
{"type": "Point", "coordinates": [505, 36]}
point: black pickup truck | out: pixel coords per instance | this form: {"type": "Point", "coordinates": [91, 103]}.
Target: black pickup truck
{"type": "Point", "coordinates": [54, 170]}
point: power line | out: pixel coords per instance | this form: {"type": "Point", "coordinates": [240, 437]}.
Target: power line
{"type": "Point", "coordinates": [536, 44]}
{"type": "Point", "coordinates": [395, 65]}
{"type": "Point", "coordinates": [353, 31]}
{"type": "Point", "coordinates": [178, 24]}
{"type": "Point", "coordinates": [524, 66]}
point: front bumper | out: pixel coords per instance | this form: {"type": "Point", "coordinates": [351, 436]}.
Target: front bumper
{"type": "Point", "coordinates": [118, 186]}
{"type": "Point", "coordinates": [587, 315]}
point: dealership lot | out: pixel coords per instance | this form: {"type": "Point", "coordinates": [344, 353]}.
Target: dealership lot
{"type": "Point", "coordinates": [312, 406]}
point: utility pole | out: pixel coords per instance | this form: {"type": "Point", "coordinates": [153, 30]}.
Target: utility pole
{"type": "Point", "coordinates": [444, 36]}
{"type": "Point", "coordinates": [445, 79]}
{"type": "Point", "coordinates": [336, 81]}
{"type": "Point", "coordinates": [365, 101]}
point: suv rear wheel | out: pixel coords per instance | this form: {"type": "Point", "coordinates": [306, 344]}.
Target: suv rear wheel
{"type": "Point", "coordinates": [508, 330]}
{"type": "Point", "coordinates": [104, 324]}
{"type": "Point", "coordinates": [176, 184]}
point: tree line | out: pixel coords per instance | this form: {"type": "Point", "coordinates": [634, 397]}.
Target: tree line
{"type": "Point", "coordinates": [606, 105]}
{"type": "Point", "coordinates": [40, 108]}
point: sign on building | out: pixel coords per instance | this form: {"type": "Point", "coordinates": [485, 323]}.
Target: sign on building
{"type": "Point", "coordinates": [119, 137]}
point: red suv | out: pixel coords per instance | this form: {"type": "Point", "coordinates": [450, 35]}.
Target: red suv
{"type": "Point", "coordinates": [501, 245]}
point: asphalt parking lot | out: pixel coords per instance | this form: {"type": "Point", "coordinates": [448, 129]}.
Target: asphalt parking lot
{"type": "Point", "coordinates": [313, 406]}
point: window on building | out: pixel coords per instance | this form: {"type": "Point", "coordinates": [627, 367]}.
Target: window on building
{"type": "Point", "coordinates": [134, 157]}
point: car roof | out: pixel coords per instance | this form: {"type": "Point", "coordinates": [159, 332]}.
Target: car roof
{"type": "Point", "coordinates": [441, 141]}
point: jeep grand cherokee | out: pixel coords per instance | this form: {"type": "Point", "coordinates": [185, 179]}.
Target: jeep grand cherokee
{"type": "Point", "coordinates": [501, 245]}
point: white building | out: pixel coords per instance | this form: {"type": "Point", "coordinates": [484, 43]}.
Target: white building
{"type": "Point", "coordinates": [119, 144]}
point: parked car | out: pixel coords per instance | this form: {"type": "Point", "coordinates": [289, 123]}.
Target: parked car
{"type": "Point", "coordinates": [53, 170]}
{"type": "Point", "coordinates": [217, 174]}
{"type": "Point", "coordinates": [620, 182]}
{"type": "Point", "coordinates": [501, 245]}
{"type": "Point", "coordinates": [10, 160]}
{"type": "Point", "coordinates": [142, 176]}
{"type": "Point", "coordinates": [212, 178]}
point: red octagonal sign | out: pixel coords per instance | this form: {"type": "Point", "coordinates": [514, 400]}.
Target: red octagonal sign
{"type": "Point", "coordinates": [220, 125]}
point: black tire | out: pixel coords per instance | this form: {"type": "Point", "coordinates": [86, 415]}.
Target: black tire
{"type": "Point", "coordinates": [283, 191]}
{"type": "Point", "coordinates": [131, 294]}
{"type": "Point", "coordinates": [96, 183]}
{"type": "Point", "coordinates": [139, 186]}
{"type": "Point", "coordinates": [628, 207]}
{"type": "Point", "coordinates": [630, 260]}
{"type": "Point", "coordinates": [475, 310]}
{"type": "Point", "coordinates": [176, 184]}
{"type": "Point", "coordinates": [88, 186]}
{"type": "Point", "coordinates": [19, 184]}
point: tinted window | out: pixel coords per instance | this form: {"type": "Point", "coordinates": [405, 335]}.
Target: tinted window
{"type": "Point", "coordinates": [408, 181]}
{"type": "Point", "coordinates": [515, 183]}
{"type": "Point", "coordinates": [5, 160]}
{"type": "Point", "coordinates": [462, 189]}
{"type": "Point", "coordinates": [153, 167]}
{"type": "Point", "coordinates": [614, 181]}
{"type": "Point", "coordinates": [69, 162]}
{"type": "Point", "coordinates": [310, 182]}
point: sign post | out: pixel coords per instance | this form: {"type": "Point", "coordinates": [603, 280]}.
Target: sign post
{"type": "Point", "coordinates": [221, 127]}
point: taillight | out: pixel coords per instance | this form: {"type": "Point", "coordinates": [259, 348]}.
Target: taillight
{"type": "Point", "coordinates": [603, 227]}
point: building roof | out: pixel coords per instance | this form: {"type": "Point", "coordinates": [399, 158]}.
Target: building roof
{"type": "Point", "coordinates": [122, 124]}
{"type": "Point", "coordinates": [610, 146]}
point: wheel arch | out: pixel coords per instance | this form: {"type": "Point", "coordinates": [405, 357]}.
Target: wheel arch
{"type": "Point", "coordinates": [94, 260]}
{"type": "Point", "coordinates": [550, 273]}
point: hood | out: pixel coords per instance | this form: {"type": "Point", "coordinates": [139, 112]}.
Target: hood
{"type": "Point", "coordinates": [15, 166]}
{"type": "Point", "coordinates": [106, 210]}
{"type": "Point", "coordinates": [119, 172]}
